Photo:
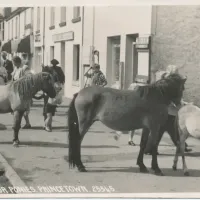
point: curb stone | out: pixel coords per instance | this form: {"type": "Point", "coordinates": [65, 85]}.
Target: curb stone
{"type": "Point", "coordinates": [11, 175]}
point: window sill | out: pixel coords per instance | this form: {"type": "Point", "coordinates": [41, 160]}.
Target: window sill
{"type": "Point", "coordinates": [75, 83]}
{"type": "Point", "coordinates": [51, 27]}
{"type": "Point", "coordinates": [37, 32]}
{"type": "Point", "coordinates": [75, 20]}
{"type": "Point", "coordinates": [62, 24]}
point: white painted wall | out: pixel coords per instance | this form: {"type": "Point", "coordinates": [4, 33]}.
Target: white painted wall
{"type": "Point", "coordinates": [70, 87]}
{"type": "Point", "coordinates": [114, 21]}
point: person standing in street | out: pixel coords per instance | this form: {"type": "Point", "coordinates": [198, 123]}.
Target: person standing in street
{"type": "Point", "coordinates": [97, 76]}
{"type": "Point", "coordinates": [50, 104]}
{"type": "Point", "coordinates": [8, 65]}
{"type": "Point", "coordinates": [18, 72]}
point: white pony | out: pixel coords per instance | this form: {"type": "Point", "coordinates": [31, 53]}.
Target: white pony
{"type": "Point", "coordinates": [187, 125]}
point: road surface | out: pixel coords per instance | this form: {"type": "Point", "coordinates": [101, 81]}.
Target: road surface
{"type": "Point", "coordinates": [41, 160]}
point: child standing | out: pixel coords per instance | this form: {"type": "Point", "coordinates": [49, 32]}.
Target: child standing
{"type": "Point", "coordinates": [50, 107]}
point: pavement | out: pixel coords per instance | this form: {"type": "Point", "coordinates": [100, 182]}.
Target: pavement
{"type": "Point", "coordinates": [40, 163]}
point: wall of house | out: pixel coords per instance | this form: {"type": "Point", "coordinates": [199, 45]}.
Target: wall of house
{"type": "Point", "coordinates": [70, 86]}
{"type": "Point", "coordinates": [114, 21]}
{"type": "Point", "coordinates": [38, 42]}
{"type": "Point", "coordinates": [176, 41]}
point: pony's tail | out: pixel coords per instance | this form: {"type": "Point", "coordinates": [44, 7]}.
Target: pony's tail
{"type": "Point", "coordinates": [74, 135]}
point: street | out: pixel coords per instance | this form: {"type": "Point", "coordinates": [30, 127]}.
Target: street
{"type": "Point", "coordinates": [41, 160]}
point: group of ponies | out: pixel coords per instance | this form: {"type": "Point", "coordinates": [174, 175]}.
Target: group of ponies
{"type": "Point", "coordinates": [121, 110]}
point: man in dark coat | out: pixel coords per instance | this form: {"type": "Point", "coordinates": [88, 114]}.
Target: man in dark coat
{"type": "Point", "coordinates": [7, 64]}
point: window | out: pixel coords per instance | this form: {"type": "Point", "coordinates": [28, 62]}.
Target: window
{"type": "Point", "coordinates": [16, 27]}
{"type": "Point", "coordinates": [52, 13]}
{"type": "Point", "coordinates": [12, 30]}
{"type": "Point", "coordinates": [8, 30]}
{"type": "Point", "coordinates": [63, 14]}
{"type": "Point", "coordinates": [76, 12]}
{"type": "Point", "coordinates": [25, 17]}
{"type": "Point", "coordinates": [51, 52]}
{"type": "Point", "coordinates": [38, 18]}
{"type": "Point", "coordinates": [115, 60]}
{"type": "Point", "coordinates": [76, 57]}
{"type": "Point", "coordinates": [2, 30]}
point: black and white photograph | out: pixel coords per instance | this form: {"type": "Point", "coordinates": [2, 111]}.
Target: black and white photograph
{"type": "Point", "coordinates": [100, 101]}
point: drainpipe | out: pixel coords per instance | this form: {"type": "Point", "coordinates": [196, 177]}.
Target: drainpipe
{"type": "Point", "coordinates": [92, 46]}
{"type": "Point", "coordinates": [93, 31]}
{"type": "Point", "coordinates": [82, 43]}
{"type": "Point", "coordinates": [43, 45]}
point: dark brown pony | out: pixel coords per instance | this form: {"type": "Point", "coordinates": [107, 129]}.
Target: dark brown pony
{"type": "Point", "coordinates": [126, 110]}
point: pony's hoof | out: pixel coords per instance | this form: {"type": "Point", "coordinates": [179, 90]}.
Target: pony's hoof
{"type": "Point", "coordinates": [174, 168]}
{"type": "Point", "coordinates": [16, 143]}
{"type": "Point", "coordinates": [82, 170]}
{"type": "Point", "coordinates": [144, 170]}
{"type": "Point", "coordinates": [186, 173]}
{"type": "Point", "coordinates": [159, 173]}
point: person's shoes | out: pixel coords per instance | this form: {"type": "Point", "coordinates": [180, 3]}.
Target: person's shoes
{"type": "Point", "coordinates": [27, 126]}
{"type": "Point", "coordinates": [188, 150]}
{"type": "Point", "coordinates": [131, 143]}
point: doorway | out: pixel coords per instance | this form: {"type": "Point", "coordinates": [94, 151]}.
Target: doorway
{"type": "Point", "coordinates": [62, 62]}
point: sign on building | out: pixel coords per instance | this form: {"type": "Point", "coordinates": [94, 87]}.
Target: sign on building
{"type": "Point", "coordinates": [63, 36]}
{"type": "Point", "coordinates": [142, 43]}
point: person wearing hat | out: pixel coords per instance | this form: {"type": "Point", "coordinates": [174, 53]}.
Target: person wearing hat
{"type": "Point", "coordinates": [97, 76]}
{"type": "Point", "coordinates": [50, 104]}
{"type": "Point", "coordinates": [7, 64]}
{"type": "Point", "coordinates": [19, 71]}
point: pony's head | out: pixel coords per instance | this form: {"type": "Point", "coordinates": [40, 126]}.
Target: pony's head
{"type": "Point", "coordinates": [27, 86]}
{"type": "Point", "coordinates": [52, 72]}
{"type": "Point", "coordinates": [173, 87]}
{"type": "Point", "coordinates": [48, 84]}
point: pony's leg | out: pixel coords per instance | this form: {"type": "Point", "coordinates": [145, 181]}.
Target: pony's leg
{"type": "Point", "coordinates": [143, 143]}
{"type": "Point", "coordinates": [176, 157]}
{"type": "Point", "coordinates": [131, 134]}
{"type": "Point", "coordinates": [182, 152]}
{"type": "Point", "coordinates": [17, 125]}
{"type": "Point", "coordinates": [154, 163]}
{"type": "Point", "coordinates": [84, 125]}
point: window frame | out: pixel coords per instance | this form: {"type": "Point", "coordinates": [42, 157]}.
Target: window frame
{"type": "Point", "coordinates": [76, 64]}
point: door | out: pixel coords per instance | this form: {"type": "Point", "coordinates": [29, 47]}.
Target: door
{"type": "Point", "coordinates": [62, 63]}
{"type": "Point", "coordinates": [116, 65]}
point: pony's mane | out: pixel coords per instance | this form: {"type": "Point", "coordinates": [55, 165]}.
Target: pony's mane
{"type": "Point", "coordinates": [27, 85]}
{"type": "Point", "coordinates": [50, 70]}
{"type": "Point", "coordinates": [161, 86]}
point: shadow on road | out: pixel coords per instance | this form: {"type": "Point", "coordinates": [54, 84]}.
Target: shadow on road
{"type": "Point", "coordinates": [166, 171]}
{"type": "Point", "coordinates": [42, 128]}
{"type": "Point", "coordinates": [192, 154]}
{"type": "Point", "coordinates": [55, 144]}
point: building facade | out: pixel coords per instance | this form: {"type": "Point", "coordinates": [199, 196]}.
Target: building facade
{"type": "Point", "coordinates": [113, 31]}
{"type": "Point", "coordinates": [39, 17]}
{"type": "Point", "coordinates": [17, 31]}
{"type": "Point", "coordinates": [63, 38]}
{"type": "Point", "coordinates": [176, 41]}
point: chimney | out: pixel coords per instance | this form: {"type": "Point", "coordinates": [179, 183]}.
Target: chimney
{"type": "Point", "coordinates": [7, 12]}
